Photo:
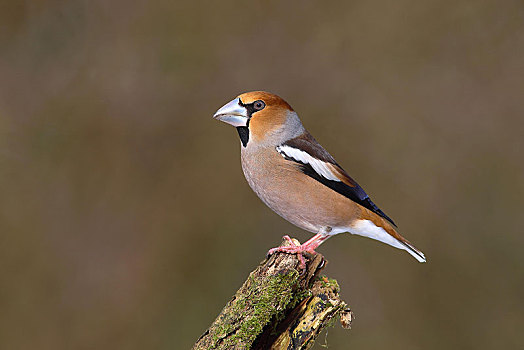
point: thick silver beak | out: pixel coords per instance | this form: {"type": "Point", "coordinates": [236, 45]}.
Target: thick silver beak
{"type": "Point", "coordinates": [232, 113]}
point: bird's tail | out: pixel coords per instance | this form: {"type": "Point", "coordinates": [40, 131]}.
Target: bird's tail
{"type": "Point", "coordinates": [417, 254]}
{"type": "Point", "coordinates": [406, 245]}
{"type": "Point", "coordinates": [401, 242]}
{"type": "Point", "coordinates": [378, 228]}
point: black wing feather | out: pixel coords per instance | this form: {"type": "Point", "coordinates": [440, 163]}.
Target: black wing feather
{"type": "Point", "coordinates": [355, 193]}
{"type": "Point", "coordinates": [308, 144]}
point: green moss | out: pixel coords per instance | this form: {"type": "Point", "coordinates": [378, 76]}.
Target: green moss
{"type": "Point", "coordinates": [259, 301]}
{"type": "Point", "coordinates": [329, 282]}
{"type": "Point", "coordinates": [299, 297]}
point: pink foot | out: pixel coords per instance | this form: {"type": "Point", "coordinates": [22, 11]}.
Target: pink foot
{"type": "Point", "coordinates": [299, 250]}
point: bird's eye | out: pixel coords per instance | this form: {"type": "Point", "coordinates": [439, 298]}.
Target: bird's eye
{"type": "Point", "coordinates": [258, 105]}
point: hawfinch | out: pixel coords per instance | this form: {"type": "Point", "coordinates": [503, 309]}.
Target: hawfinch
{"type": "Point", "coordinates": [299, 180]}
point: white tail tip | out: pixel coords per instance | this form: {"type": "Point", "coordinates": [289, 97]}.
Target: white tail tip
{"type": "Point", "coordinates": [417, 254]}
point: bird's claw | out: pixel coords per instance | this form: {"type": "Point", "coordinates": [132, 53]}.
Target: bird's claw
{"type": "Point", "coordinates": [299, 250]}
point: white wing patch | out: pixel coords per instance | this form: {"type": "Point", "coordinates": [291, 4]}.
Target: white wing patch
{"type": "Point", "coordinates": [320, 167]}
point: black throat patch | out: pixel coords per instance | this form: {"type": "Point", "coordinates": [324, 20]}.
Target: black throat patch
{"type": "Point", "coordinates": [243, 132]}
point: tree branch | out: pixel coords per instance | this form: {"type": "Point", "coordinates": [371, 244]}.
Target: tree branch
{"type": "Point", "coordinates": [279, 306]}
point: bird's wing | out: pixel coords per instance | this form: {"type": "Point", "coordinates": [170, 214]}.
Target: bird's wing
{"type": "Point", "coordinates": [317, 163]}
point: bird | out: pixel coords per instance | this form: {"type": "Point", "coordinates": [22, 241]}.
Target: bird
{"type": "Point", "coordinates": [299, 180]}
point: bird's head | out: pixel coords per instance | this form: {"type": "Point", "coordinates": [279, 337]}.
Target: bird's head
{"type": "Point", "coordinates": [260, 116]}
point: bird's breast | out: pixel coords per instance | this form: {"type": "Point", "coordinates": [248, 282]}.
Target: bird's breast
{"type": "Point", "coordinates": [293, 195]}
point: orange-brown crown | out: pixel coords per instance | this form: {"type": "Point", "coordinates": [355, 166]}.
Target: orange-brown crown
{"type": "Point", "coordinates": [268, 98]}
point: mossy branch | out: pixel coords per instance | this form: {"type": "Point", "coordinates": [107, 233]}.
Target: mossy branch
{"type": "Point", "coordinates": [279, 306]}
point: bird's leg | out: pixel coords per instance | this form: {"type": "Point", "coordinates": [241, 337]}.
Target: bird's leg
{"type": "Point", "coordinates": [308, 247]}
{"type": "Point", "coordinates": [314, 242]}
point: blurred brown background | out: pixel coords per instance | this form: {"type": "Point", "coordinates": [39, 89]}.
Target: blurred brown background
{"type": "Point", "coordinates": [122, 201]}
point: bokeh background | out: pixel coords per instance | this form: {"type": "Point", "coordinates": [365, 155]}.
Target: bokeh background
{"type": "Point", "coordinates": [126, 222]}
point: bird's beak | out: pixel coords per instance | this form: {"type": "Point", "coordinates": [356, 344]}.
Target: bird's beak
{"type": "Point", "coordinates": [233, 113]}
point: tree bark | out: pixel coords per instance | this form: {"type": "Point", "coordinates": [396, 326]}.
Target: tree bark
{"type": "Point", "coordinates": [279, 306]}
